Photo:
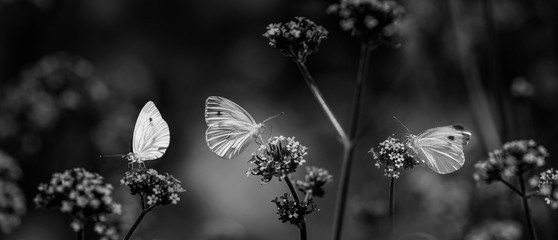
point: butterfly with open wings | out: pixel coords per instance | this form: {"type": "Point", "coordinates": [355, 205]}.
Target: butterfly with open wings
{"type": "Point", "coordinates": [230, 128]}
{"type": "Point", "coordinates": [440, 148]}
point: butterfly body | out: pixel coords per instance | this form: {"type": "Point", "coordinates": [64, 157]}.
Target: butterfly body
{"type": "Point", "coordinates": [230, 128]}
{"type": "Point", "coordinates": [151, 135]}
{"type": "Point", "coordinates": [440, 148]}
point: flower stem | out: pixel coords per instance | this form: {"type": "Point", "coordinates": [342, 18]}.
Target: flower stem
{"type": "Point", "coordinates": [349, 146]}
{"type": "Point", "coordinates": [391, 206]}
{"type": "Point", "coordinates": [320, 98]}
{"type": "Point", "coordinates": [133, 229]}
{"type": "Point", "coordinates": [140, 217]}
{"type": "Point", "coordinates": [514, 189]}
{"type": "Point", "coordinates": [80, 234]}
{"type": "Point", "coordinates": [302, 227]}
{"type": "Point", "coordinates": [525, 199]}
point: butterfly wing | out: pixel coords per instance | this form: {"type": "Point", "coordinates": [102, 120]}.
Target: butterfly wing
{"type": "Point", "coordinates": [442, 148]}
{"type": "Point", "coordinates": [151, 134]}
{"type": "Point", "coordinates": [230, 127]}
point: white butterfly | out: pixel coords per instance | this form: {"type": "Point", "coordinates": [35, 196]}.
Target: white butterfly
{"type": "Point", "coordinates": [441, 148]}
{"type": "Point", "coordinates": [151, 135]}
{"type": "Point", "coordinates": [230, 128]}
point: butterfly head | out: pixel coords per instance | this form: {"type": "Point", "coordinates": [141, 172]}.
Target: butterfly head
{"type": "Point", "coordinates": [132, 157]}
{"type": "Point", "coordinates": [410, 142]}
{"type": "Point", "coordinates": [464, 133]}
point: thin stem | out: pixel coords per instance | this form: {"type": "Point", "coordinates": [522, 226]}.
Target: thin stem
{"type": "Point", "coordinates": [525, 201]}
{"type": "Point", "coordinates": [81, 233]}
{"type": "Point", "coordinates": [350, 147]}
{"type": "Point", "coordinates": [302, 227]}
{"type": "Point", "coordinates": [391, 206]}
{"type": "Point", "coordinates": [514, 189]}
{"type": "Point", "coordinates": [359, 88]}
{"type": "Point", "coordinates": [140, 217]}
{"type": "Point", "coordinates": [320, 98]}
{"type": "Point", "coordinates": [138, 220]}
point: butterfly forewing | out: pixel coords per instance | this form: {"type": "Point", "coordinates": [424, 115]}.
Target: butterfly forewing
{"type": "Point", "coordinates": [230, 127]}
{"type": "Point", "coordinates": [151, 134]}
{"type": "Point", "coordinates": [220, 109]}
{"type": "Point", "coordinates": [454, 133]}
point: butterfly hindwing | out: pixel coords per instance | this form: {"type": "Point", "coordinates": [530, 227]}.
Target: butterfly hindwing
{"type": "Point", "coordinates": [151, 134]}
{"type": "Point", "coordinates": [230, 127]}
{"type": "Point", "coordinates": [227, 140]}
{"type": "Point", "coordinates": [440, 156]}
{"type": "Point", "coordinates": [442, 147]}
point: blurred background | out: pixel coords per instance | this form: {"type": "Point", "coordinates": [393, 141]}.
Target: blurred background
{"type": "Point", "coordinates": [75, 74]}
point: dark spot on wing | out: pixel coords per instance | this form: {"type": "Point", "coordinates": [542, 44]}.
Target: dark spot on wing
{"type": "Point", "coordinates": [458, 127]}
{"type": "Point", "coordinates": [151, 119]}
{"type": "Point", "coordinates": [451, 138]}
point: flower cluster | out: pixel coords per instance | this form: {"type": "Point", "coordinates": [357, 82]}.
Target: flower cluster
{"type": "Point", "coordinates": [547, 186]}
{"type": "Point", "coordinates": [314, 181]}
{"type": "Point", "coordinates": [373, 20]}
{"type": "Point", "coordinates": [514, 158]}
{"type": "Point", "coordinates": [279, 157]}
{"type": "Point", "coordinates": [393, 155]}
{"type": "Point", "coordinates": [492, 229]}
{"type": "Point", "coordinates": [289, 211]}
{"type": "Point", "coordinates": [157, 189]}
{"type": "Point", "coordinates": [82, 194]}
{"type": "Point", "coordinates": [298, 38]}
{"type": "Point", "coordinates": [12, 200]}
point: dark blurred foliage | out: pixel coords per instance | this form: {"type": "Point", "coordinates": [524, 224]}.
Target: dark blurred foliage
{"type": "Point", "coordinates": [74, 75]}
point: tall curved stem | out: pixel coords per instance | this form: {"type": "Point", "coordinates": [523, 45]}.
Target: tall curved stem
{"type": "Point", "coordinates": [350, 146]}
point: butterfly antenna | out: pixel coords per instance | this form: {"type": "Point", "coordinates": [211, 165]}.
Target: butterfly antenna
{"type": "Point", "coordinates": [272, 117]}
{"type": "Point", "coordinates": [112, 155]}
{"type": "Point", "coordinates": [402, 124]}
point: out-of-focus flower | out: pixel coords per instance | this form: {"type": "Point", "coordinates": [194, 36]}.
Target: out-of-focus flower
{"type": "Point", "coordinates": [12, 200]}
{"type": "Point", "coordinates": [373, 20]}
{"type": "Point", "coordinates": [297, 39]}
{"type": "Point", "coordinates": [289, 211]}
{"type": "Point", "coordinates": [495, 230]}
{"type": "Point", "coordinates": [547, 186]}
{"type": "Point", "coordinates": [9, 170]}
{"type": "Point", "coordinates": [12, 206]}
{"type": "Point", "coordinates": [55, 85]}
{"type": "Point", "coordinates": [314, 181]}
{"type": "Point", "coordinates": [514, 158]}
{"type": "Point", "coordinates": [370, 211]}
{"type": "Point", "coordinates": [158, 189]}
{"type": "Point", "coordinates": [82, 194]}
{"type": "Point", "coordinates": [278, 158]}
{"type": "Point", "coordinates": [393, 155]}
{"type": "Point", "coordinates": [438, 201]}
{"type": "Point", "coordinates": [521, 88]}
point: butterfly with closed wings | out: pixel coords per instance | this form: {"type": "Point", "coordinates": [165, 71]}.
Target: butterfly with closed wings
{"type": "Point", "coordinates": [440, 148]}
{"type": "Point", "coordinates": [151, 136]}
{"type": "Point", "coordinates": [230, 128]}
